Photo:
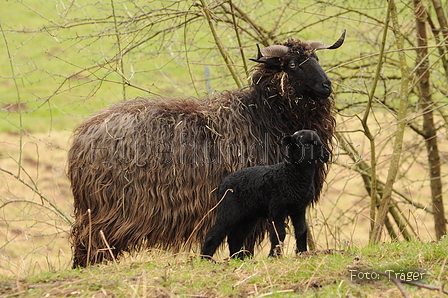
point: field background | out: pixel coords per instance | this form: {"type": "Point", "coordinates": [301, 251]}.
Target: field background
{"type": "Point", "coordinates": [61, 61]}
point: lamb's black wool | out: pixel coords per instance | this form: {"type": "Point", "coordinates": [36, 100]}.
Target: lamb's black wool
{"type": "Point", "coordinates": [272, 192]}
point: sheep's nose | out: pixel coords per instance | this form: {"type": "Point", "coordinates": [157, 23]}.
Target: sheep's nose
{"type": "Point", "coordinates": [327, 85]}
{"type": "Point", "coordinates": [323, 89]}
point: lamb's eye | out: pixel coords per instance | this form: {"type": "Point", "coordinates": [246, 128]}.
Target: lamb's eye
{"type": "Point", "coordinates": [292, 65]}
{"type": "Point", "coordinates": [307, 146]}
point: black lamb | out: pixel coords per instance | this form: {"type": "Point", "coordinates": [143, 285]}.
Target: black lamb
{"type": "Point", "coordinates": [271, 192]}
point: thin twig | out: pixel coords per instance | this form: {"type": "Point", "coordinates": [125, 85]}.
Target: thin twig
{"type": "Point", "coordinates": [120, 51]}
{"type": "Point", "coordinates": [314, 273]}
{"type": "Point", "coordinates": [203, 218]}
{"type": "Point", "coordinates": [399, 283]}
{"type": "Point", "coordinates": [19, 103]}
{"type": "Point", "coordinates": [109, 248]}
{"type": "Point", "coordinates": [219, 44]}
{"type": "Point", "coordinates": [238, 38]}
{"type": "Point", "coordinates": [89, 213]}
{"type": "Point", "coordinates": [280, 243]}
{"type": "Point", "coordinates": [54, 208]}
{"type": "Point", "coordinates": [366, 127]}
{"type": "Point", "coordinates": [400, 287]}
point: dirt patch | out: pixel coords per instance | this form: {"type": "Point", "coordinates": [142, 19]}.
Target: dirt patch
{"type": "Point", "coordinates": [15, 107]}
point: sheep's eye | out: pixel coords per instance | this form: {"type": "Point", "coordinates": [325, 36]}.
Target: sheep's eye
{"type": "Point", "coordinates": [292, 64]}
{"type": "Point", "coordinates": [307, 146]}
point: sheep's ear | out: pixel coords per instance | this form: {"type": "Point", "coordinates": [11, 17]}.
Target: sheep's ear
{"type": "Point", "coordinates": [274, 62]}
{"type": "Point", "coordinates": [288, 140]}
{"type": "Point", "coordinates": [271, 55]}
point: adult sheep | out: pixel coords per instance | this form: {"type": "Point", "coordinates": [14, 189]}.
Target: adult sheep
{"type": "Point", "coordinates": [142, 172]}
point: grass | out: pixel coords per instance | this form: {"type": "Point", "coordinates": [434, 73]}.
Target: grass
{"type": "Point", "coordinates": [325, 273]}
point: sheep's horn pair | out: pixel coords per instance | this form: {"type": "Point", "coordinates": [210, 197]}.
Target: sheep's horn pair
{"type": "Point", "coordinates": [321, 46]}
{"type": "Point", "coordinates": [276, 51]}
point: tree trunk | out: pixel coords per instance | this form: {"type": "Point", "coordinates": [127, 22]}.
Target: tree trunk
{"type": "Point", "coordinates": [399, 133]}
{"type": "Point", "coordinates": [429, 130]}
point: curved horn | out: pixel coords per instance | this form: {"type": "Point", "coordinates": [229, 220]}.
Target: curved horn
{"type": "Point", "coordinates": [321, 46]}
{"type": "Point", "coordinates": [265, 55]}
{"type": "Point", "coordinates": [274, 51]}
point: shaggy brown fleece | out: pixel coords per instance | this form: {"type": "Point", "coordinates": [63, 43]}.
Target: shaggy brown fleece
{"type": "Point", "coordinates": [147, 169]}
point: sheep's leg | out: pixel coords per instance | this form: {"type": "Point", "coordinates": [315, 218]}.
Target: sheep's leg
{"type": "Point", "coordinates": [237, 236]}
{"type": "Point", "coordinates": [256, 236]}
{"type": "Point", "coordinates": [92, 250]}
{"type": "Point", "coordinates": [79, 255]}
{"type": "Point", "coordinates": [277, 236]}
{"type": "Point", "coordinates": [214, 238]}
{"type": "Point", "coordinates": [300, 230]}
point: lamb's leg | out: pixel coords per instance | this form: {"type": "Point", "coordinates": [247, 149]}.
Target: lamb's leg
{"type": "Point", "coordinates": [214, 238]}
{"type": "Point", "coordinates": [256, 236]}
{"type": "Point", "coordinates": [300, 230]}
{"type": "Point", "coordinates": [277, 236]}
{"type": "Point", "coordinates": [237, 236]}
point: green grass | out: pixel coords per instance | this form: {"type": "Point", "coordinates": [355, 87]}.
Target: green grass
{"type": "Point", "coordinates": [316, 274]}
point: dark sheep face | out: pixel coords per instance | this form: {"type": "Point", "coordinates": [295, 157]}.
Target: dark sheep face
{"type": "Point", "coordinates": [305, 146]}
{"type": "Point", "coordinates": [303, 69]}
{"type": "Point", "coordinates": [307, 70]}
{"type": "Point", "coordinates": [298, 60]}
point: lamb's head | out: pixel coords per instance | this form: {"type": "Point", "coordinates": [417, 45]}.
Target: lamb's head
{"type": "Point", "coordinates": [305, 146]}
{"type": "Point", "coordinates": [299, 61]}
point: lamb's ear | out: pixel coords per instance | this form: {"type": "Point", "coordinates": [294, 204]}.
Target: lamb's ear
{"type": "Point", "coordinates": [288, 140]}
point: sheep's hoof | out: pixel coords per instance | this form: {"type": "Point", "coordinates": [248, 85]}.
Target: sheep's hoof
{"type": "Point", "coordinates": [242, 254]}
{"type": "Point", "coordinates": [208, 258]}
{"type": "Point", "coordinates": [276, 252]}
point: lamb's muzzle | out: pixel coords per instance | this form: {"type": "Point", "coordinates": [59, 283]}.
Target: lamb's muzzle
{"type": "Point", "coordinates": [312, 148]}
